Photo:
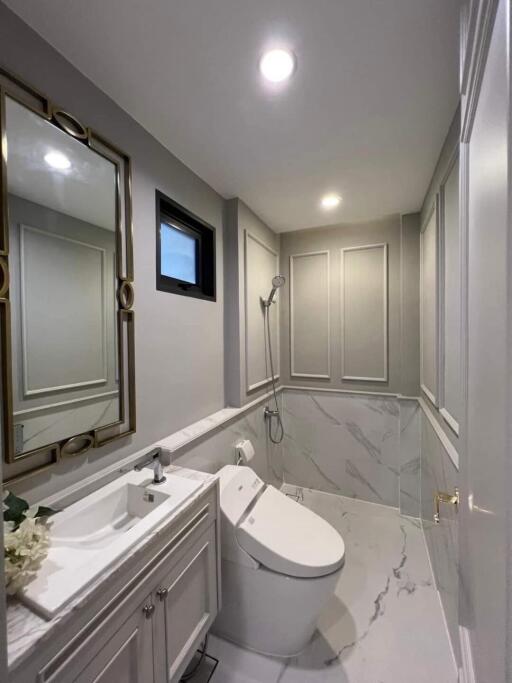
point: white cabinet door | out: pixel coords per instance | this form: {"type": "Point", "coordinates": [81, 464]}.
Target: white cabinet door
{"type": "Point", "coordinates": [114, 655]}
{"type": "Point", "coordinates": [128, 655]}
{"type": "Point", "coordinates": [188, 603]}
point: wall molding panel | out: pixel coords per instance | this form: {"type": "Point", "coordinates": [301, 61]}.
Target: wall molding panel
{"type": "Point", "coordinates": [449, 284]}
{"type": "Point", "coordinates": [60, 404]}
{"type": "Point", "coordinates": [261, 265]}
{"type": "Point", "coordinates": [310, 338]}
{"type": "Point", "coordinates": [429, 304]}
{"type": "Point", "coordinates": [364, 313]}
{"type": "Point", "coordinates": [97, 357]}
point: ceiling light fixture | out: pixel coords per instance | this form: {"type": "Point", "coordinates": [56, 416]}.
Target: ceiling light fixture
{"type": "Point", "coordinates": [57, 160]}
{"type": "Point", "coordinates": [330, 201]}
{"type": "Point", "coordinates": [277, 65]}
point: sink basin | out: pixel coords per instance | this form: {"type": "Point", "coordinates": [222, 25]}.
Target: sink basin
{"type": "Point", "coordinates": [99, 529]}
{"type": "Point", "coordinates": [107, 518]}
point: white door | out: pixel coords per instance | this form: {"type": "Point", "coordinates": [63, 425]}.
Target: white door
{"type": "Point", "coordinates": [486, 457]}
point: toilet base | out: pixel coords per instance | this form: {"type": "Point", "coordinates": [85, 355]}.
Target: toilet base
{"type": "Point", "coordinates": [271, 613]}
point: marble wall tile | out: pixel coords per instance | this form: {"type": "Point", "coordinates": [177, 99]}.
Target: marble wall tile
{"type": "Point", "coordinates": [342, 443]}
{"type": "Point", "coordinates": [410, 445]}
{"type": "Point", "coordinates": [217, 448]}
{"type": "Point", "coordinates": [439, 474]}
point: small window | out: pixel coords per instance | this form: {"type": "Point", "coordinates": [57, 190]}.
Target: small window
{"type": "Point", "coordinates": [185, 251]}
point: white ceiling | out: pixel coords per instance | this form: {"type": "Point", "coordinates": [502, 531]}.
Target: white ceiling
{"type": "Point", "coordinates": [365, 114]}
{"type": "Point", "coordinates": [86, 190]}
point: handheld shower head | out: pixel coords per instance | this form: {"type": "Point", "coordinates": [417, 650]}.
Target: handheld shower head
{"type": "Point", "coordinates": [277, 281]}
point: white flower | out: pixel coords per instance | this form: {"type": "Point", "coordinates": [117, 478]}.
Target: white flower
{"type": "Point", "coordinates": [32, 511]}
{"type": "Point", "coordinates": [24, 551]}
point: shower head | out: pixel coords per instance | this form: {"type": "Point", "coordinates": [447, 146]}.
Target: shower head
{"type": "Point", "coordinates": [277, 281]}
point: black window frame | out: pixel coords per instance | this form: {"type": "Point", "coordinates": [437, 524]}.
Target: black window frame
{"type": "Point", "coordinates": [175, 215]}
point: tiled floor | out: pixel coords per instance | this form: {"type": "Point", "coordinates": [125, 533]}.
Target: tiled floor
{"type": "Point", "coordinates": [385, 623]}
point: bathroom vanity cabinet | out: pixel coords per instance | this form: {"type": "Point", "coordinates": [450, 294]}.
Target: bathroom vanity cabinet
{"type": "Point", "coordinates": [147, 631]}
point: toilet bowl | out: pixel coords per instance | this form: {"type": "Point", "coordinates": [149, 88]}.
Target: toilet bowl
{"type": "Point", "coordinates": [280, 566]}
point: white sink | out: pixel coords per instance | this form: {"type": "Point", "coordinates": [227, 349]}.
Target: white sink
{"type": "Point", "coordinates": [105, 519]}
{"type": "Point", "coordinates": [99, 529]}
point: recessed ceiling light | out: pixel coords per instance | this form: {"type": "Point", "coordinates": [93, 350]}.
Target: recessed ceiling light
{"type": "Point", "coordinates": [330, 201]}
{"type": "Point", "coordinates": [277, 65]}
{"type": "Point", "coordinates": [57, 160]}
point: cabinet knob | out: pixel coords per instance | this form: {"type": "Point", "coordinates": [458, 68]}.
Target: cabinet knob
{"type": "Point", "coordinates": [162, 593]}
{"type": "Point", "coordinates": [148, 611]}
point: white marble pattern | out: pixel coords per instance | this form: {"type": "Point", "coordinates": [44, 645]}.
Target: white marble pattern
{"type": "Point", "coordinates": [178, 439]}
{"type": "Point", "coordinates": [385, 624]}
{"type": "Point", "coordinates": [342, 443]}
{"type": "Point", "coordinates": [438, 473]}
{"type": "Point", "coordinates": [26, 630]}
{"type": "Point", "coordinates": [410, 446]}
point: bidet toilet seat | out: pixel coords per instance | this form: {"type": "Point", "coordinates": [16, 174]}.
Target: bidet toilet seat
{"type": "Point", "coordinates": [288, 538]}
{"type": "Point", "coordinates": [280, 566]}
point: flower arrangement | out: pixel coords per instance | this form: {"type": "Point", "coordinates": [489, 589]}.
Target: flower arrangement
{"type": "Point", "coordinates": [26, 540]}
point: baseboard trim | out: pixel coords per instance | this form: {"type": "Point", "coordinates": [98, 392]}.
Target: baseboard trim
{"type": "Point", "coordinates": [467, 670]}
{"type": "Point", "coordinates": [445, 621]}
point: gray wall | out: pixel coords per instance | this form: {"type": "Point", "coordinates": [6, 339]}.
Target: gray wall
{"type": "Point", "coordinates": [401, 237]}
{"type": "Point", "coordinates": [180, 367]}
{"type": "Point", "coordinates": [452, 138]}
{"type": "Point", "coordinates": [244, 329]}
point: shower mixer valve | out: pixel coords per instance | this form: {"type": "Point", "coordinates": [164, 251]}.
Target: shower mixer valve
{"type": "Point", "coordinates": [268, 413]}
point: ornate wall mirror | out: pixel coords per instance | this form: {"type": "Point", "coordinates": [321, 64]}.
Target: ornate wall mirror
{"type": "Point", "coordinates": [66, 273]}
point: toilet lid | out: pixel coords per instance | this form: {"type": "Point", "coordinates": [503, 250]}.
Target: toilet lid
{"type": "Point", "coordinates": [288, 538]}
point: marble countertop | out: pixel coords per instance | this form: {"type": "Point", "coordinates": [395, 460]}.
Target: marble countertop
{"type": "Point", "coordinates": [27, 630]}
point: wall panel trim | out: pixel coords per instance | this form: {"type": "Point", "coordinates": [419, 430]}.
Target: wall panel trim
{"type": "Point", "coordinates": [451, 421]}
{"type": "Point", "coordinates": [24, 334]}
{"type": "Point", "coordinates": [72, 401]}
{"type": "Point", "coordinates": [293, 372]}
{"type": "Point", "coordinates": [277, 350]}
{"type": "Point", "coordinates": [445, 441]}
{"type": "Point", "coordinates": [344, 250]}
{"type": "Point", "coordinates": [430, 392]}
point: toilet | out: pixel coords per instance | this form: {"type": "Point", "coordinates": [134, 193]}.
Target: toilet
{"type": "Point", "coordinates": [280, 566]}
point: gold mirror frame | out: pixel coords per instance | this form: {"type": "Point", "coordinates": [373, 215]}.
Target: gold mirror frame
{"type": "Point", "coordinates": [76, 444]}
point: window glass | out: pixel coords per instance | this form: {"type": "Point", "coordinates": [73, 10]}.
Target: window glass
{"type": "Point", "coordinates": [178, 254]}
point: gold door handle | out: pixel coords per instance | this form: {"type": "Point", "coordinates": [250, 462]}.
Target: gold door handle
{"type": "Point", "coordinates": [443, 497]}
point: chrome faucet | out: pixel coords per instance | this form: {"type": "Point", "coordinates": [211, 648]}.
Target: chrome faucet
{"type": "Point", "coordinates": [154, 462]}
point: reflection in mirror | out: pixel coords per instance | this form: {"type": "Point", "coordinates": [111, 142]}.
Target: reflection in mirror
{"type": "Point", "coordinates": [62, 233]}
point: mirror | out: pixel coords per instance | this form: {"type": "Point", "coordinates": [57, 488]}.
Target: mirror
{"type": "Point", "coordinates": [68, 311]}
{"type": "Point", "coordinates": [62, 222]}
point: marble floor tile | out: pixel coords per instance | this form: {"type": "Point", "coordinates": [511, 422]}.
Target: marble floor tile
{"type": "Point", "coordinates": [385, 623]}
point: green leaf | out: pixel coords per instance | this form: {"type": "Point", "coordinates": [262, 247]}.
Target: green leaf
{"type": "Point", "coordinates": [43, 511]}
{"type": "Point", "coordinates": [16, 508]}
